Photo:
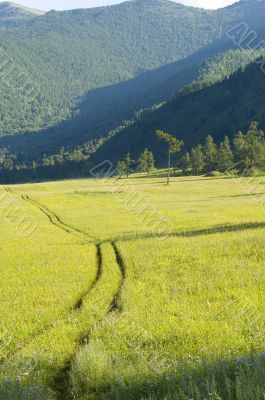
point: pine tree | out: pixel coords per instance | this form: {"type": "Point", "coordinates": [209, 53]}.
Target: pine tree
{"type": "Point", "coordinates": [121, 168]}
{"type": "Point", "coordinates": [210, 154]}
{"type": "Point", "coordinates": [197, 160]}
{"type": "Point", "coordinates": [225, 156]}
{"type": "Point", "coordinates": [240, 148]}
{"type": "Point", "coordinates": [141, 163]}
{"type": "Point", "coordinates": [128, 162]}
{"type": "Point", "coordinates": [250, 148]}
{"type": "Point", "coordinates": [146, 161]}
{"type": "Point", "coordinates": [174, 146]}
{"type": "Point", "coordinates": [185, 162]}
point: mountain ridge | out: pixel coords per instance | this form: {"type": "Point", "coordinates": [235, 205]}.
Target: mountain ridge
{"type": "Point", "coordinates": [10, 11]}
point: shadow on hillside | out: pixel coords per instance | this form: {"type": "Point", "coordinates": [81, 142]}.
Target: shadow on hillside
{"type": "Point", "coordinates": [105, 108]}
{"type": "Point", "coordinates": [194, 233]}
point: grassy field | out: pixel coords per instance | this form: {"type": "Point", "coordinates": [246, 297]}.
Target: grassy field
{"type": "Point", "coordinates": [97, 304]}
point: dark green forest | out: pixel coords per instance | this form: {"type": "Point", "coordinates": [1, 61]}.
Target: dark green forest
{"type": "Point", "coordinates": [222, 101]}
{"type": "Point", "coordinates": [94, 68]}
{"type": "Point", "coordinates": [244, 155]}
{"type": "Point", "coordinates": [71, 54]}
{"type": "Point", "coordinates": [103, 80]}
{"type": "Point", "coordinates": [220, 110]}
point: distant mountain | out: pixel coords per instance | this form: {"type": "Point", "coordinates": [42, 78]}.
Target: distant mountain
{"type": "Point", "coordinates": [12, 12]}
{"type": "Point", "coordinates": [93, 68]}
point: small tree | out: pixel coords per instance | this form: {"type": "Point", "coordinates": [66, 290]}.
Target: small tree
{"type": "Point", "coordinates": [225, 156]}
{"type": "Point", "coordinates": [185, 162]}
{"type": "Point", "coordinates": [141, 163]}
{"type": "Point", "coordinates": [121, 168]}
{"type": "Point", "coordinates": [128, 162]}
{"type": "Point", "coordinates": [240, 147]}
{"type": "Point", "coordinates": [197, 160]}
{"type": "Point", "coordinates": [210, 154]}
{"type": "Point", "coordinates": [174, 146]}
{"type": "Point", "coordinates": [146, 161]}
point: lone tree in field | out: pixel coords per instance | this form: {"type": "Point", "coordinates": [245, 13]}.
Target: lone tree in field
{"type": "Point", "coordinates": [146, 161]}
{"type": "Point", "coordinates": [174, 146]}
{"type": "Point", "coordinates": [197, 160]}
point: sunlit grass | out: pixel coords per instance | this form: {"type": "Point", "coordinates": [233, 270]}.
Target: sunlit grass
{"type": "Point", "coordinates": [189, 302]}
{"type": "Point", "coordinates": [42, 277]}
{"type": "Point", "coordinates": [188, 321]}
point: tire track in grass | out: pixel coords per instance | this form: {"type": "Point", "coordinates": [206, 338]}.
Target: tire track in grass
{"type": "Point", "coordinates": [61, 384]}
{"type": "Point", "coordinates": [100, 308]}
{"type": "Point", "coordinates": [55, 220]}
{"type": "Point", "coordinates": [77, 306]}
{"type": "Point", "coordinates": [34, 352]}
{"type": "Point", "coordinates": [9, 190]}
{"type": "Point", "coordinates": [114, 306]}
{"type": "Point", "coordinates": [54, 351]}
{"type": "Point", "coordinates": [108, 251]}
{"type": "Point", "coordinates": [52, 216]}
{"type": "Point", "coordinates": [116, 303]}
{"type": "Point", "coordinates": [41, 351]}
{"type": "Point", "coordinates": [80, 302]}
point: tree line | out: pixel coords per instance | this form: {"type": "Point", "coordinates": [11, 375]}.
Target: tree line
{"type": "Point", "coordinates": [245, 153]}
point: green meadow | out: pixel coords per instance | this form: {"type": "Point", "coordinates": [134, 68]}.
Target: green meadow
{"type": "Point", "coordinates": [133, 289]}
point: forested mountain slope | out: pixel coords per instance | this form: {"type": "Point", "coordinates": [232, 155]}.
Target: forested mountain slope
{"type": "Point", "coordinates": [72, 53]}
{"type": "Point", "coordinates": [93, 68]}
{"type": "Point", "coordinates": [220, 109]}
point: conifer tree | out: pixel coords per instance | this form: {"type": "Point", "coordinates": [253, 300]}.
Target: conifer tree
{"type": "Point", "coordinates": [250, 148]}
{"type": "Point", "coordinates": [197, 160]}
{"type": "Point", "coordinates": [146, 161]}
{"type": "Point", "coordinates": [173, 146]}
{"type": "Point", "coordinates": [185, 162]}
{"type": "Point", "coordinates": [210, 154]}
{"type": "Point", "coordinates": [128, 162]}
{"type": "Point", "coordinates": [225, 156]}
{"type": "Point", "coordinates": [121, 168]}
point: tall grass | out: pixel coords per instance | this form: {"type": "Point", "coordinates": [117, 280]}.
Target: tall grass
{"type": "Point", "coordinates": [187, 322]}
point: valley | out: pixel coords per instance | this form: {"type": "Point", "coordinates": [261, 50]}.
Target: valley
{"type": "Point", "coordinates": [132, 200]}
